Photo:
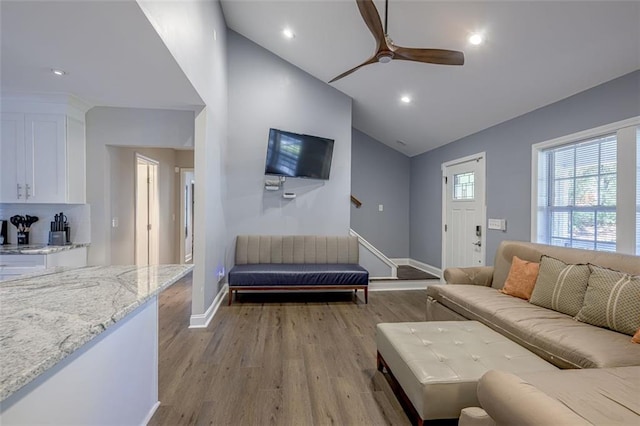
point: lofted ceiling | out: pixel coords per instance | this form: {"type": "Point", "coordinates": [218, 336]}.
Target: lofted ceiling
{"type": "Point", "coordinates": [111, 53]}
{"type": "Point", "coordinates": [535, 53]}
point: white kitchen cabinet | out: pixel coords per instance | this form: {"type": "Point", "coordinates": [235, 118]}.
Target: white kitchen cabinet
{"type": "Point", "coordinates": [14, 265]}
{"type": "Point", "coordinates": [43, 158]}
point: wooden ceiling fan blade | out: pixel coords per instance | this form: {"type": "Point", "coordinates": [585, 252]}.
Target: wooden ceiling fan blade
{"type": "Point", "coordinates": [430, 56]}
{"type": "Point", "coordinates": [371, 60]}
{"type": "Point", "coordinates": [371, 17]}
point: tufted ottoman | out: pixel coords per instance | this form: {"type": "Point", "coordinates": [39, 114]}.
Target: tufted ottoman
{"type": "Point", "coordinates": [435, 366]}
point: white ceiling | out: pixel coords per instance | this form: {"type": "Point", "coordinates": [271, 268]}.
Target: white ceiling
{"type": "Point", "coordinates": [111, 52]}
{"type": "Point", "coordinates": [536, 53]}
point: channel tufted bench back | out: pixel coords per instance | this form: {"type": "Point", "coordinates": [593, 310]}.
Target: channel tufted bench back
{"type": "Point", "coordinates": [261, 249]}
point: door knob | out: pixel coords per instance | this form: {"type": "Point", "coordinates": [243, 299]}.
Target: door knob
{"type": "Point", "coordinates": [477, 243]}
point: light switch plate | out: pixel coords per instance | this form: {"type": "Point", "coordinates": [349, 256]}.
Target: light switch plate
{"type": "Point", "coordinates": [499, 224]}
{"type": "Point", "coordinates": [380, 207]}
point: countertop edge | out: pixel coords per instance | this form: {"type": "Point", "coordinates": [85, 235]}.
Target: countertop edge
{"type": "Point", "coordinates": [11, 387]}
{"type": "Point", "coordinates": [38, 249]}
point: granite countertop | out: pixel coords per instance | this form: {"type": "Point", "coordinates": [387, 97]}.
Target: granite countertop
{"type": "Point", "coordinates": [38, 248]}
{"type": "Point", "coordinates": [46, 316]}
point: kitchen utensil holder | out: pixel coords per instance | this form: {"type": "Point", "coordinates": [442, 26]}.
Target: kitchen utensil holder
{"type": "Point", "coordinates": [23, 238]}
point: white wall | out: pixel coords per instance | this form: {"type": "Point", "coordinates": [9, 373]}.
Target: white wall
{"type": "Point", "coordinates": [123, 127]}
{"type": "Point", "coordinates": [195, 34]}
{"type": "Point", "coordinates": [264, 92]}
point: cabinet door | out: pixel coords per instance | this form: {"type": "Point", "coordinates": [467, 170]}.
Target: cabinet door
{"type": "Point", "coordinates": [45, 153]}
{"type": "Point", "coordinates": [12, 163]}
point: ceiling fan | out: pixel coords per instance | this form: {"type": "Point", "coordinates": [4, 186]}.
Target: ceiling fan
{"type": "Point", "coordinates": [387, 51]}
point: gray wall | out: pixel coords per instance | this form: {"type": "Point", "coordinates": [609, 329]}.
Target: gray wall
{"type": "Point", "coordinates": [127, 127]}
{"type": "Point", "coordinates": [265, 91]}
{"type": "Point", "coordinates": [380, 175]}
{"type": "Point", "coordinates": [508, 148]}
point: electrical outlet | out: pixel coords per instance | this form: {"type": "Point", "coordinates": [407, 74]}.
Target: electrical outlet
{"type": "Point", "coordinates": [380, 207]}
{"type": "Point", "coordinates": [114, 222]}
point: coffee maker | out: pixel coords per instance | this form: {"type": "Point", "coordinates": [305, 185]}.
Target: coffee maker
{"type": "Point", "coordinates": [4, 235]}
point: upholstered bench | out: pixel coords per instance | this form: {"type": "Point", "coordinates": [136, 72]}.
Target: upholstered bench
{"type": "Point", "coordinates": [435, 366]}
{"type": "Point", "coordinates": [297, 262]}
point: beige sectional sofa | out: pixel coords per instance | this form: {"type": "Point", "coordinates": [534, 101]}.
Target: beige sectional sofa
{"type": "Point", "coordinates": [607, 393]}
{"type": "Point", "coordinates": [554, 336]}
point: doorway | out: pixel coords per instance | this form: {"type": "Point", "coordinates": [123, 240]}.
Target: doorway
{"type": "Point", "coordinates": [187, 188]}
{"type": "Point", "coordinates": [147, 211]}
{"type": "Point", "coordinates": [464, 212]}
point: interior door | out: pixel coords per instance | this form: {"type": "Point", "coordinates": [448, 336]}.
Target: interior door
{"type": "Point", "coordinates": [186, 215]}
{"type": "Point", "coordinates": [464, 213]}
{"type": "Point", "coordinates": [147, 212]}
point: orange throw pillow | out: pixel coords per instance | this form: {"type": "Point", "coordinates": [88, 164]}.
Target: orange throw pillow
{"type": "Point", "coordinates": [636, 337]}
{"type": "Point", "coordinates": [521, 279]}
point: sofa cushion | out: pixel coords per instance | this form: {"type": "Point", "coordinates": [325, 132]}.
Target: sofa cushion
{"type": "Point", "coordinates": [554, 336]}
{"type": "Point", "coordinates": [560, 287]}
{"type": "Point", "coordinates": [612, 300]}
{"type": "Point", "coordinates": [299, 249]}
{"type": "Point", "coordinates": [282, 274]}
{"type": "Point", "coordinates": [510, 400]}
{"type": "Point", "coordinates": [602, 396]}
{"type": "Point", "coordinates": [521, 279]}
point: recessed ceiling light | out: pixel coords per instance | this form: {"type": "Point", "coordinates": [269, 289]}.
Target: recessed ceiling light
{"type": "Point", "coordinates": [406, 99]}
{"type": "Point", "coordinates": [58, 72]}
{"type": "Point", "coordinates": [288, 33]}
{"type": "Point", "coordinates": [476, 39]}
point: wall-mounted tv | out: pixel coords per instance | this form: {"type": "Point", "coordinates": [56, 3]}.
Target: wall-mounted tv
{"type": "Point", "coordinates": [295, 155]}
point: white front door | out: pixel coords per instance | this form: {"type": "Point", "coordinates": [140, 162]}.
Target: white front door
{"type": "Point", "coordinates": [464, 211]}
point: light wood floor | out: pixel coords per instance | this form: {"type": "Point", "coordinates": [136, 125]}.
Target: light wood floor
{"type": "Point", "coordinates": [292, 359]}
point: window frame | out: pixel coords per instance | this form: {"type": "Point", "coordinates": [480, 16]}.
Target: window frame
{"type": "Point", "coordinates": [625, 131]}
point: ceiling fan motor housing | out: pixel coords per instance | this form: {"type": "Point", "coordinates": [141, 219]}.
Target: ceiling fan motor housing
{"type": "Point", "coordinates": [385, 57]}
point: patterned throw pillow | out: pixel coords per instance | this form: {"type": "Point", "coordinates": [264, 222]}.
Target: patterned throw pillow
{"type": "Point", "coordinates": [560, 287]}
{"type": "Point", "coordinates": [521, 279]}
{"type": "Point", "coordinates": [612, 301]}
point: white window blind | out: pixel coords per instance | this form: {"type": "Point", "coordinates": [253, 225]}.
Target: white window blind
{"type": "Point", "coordinates": [577, 194]}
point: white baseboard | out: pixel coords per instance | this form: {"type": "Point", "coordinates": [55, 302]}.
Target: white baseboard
{"type": "Point", "coordinates": [148, 417]}
{"type": "Point", "coordinates": [418, 265]}
{"type": "Point", "coordinates": [426, 268]}
{"type": "Point", "coordinates": [203, 320]}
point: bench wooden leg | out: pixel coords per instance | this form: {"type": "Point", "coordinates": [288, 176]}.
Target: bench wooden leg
{"type": "Point", "coordinates": [230, 297]}
{"type": "Point", "coordinates": [366, 295]}
{"type": "Point", "coordinates": [380, 363]}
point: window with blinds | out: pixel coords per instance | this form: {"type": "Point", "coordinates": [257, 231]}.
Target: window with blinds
{"type": "Point", "coordinates": [577, 194]}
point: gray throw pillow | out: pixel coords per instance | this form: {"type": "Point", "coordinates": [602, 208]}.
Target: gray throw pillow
{"type": "Point", "coordinates": [560, 286]}
{"type": "Point", "coordinates": [612, 301]}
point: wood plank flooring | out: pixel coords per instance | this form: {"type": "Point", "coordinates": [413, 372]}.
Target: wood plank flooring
{"type": "Point", "coordinates": [279, 359]}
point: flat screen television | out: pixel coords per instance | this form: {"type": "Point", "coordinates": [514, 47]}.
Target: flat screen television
{"type": "Point", "coordinates": [295, 155]}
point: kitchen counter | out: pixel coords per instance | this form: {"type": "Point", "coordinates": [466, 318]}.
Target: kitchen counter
{"type": "Point", "coordinates": [38, 248]}
{"type": "Point", "coordinates": [46, 317]}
